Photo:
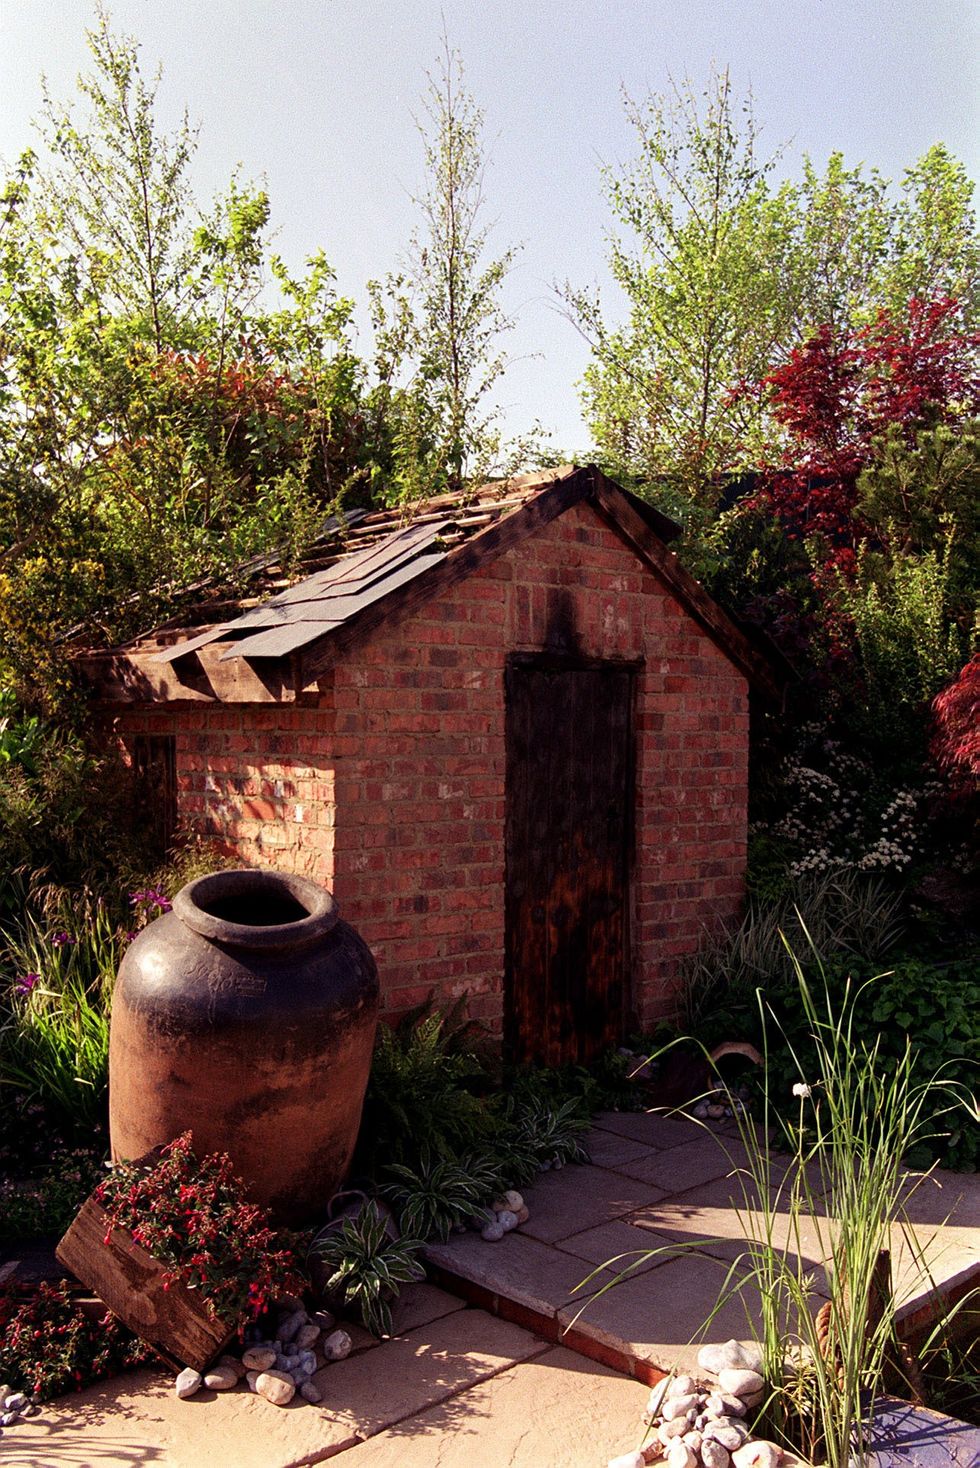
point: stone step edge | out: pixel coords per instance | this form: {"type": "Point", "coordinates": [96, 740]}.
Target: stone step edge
{"type": "Point", "coordinates": [913, 1319]}
{"type": "Point", "coordinates": [548, 1327]}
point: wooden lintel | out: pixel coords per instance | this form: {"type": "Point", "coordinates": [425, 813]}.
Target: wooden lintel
{"type": "Point", "coordinates": [200, 677]}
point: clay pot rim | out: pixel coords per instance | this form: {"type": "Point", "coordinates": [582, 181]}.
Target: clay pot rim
{"type": "Point", "coordinates": [321, 910]}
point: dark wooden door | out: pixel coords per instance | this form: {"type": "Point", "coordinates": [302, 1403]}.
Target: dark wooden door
{"type": "Point", "coordinates": [569, 827]}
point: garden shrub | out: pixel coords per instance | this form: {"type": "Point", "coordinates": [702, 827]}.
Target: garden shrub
{"type": "Point", "coordinates": [934, 1008]}
{"type": "Point", "coordinates": [45, 1205]}
{"type": "Point", "coordinates": [49, 1345]}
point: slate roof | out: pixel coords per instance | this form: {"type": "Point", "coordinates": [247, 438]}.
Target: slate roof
{"type": "Point", "coordinates": [361, 568]}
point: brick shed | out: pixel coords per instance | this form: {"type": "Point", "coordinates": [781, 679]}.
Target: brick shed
{"type": "Point", "coordinates": [510, 734]}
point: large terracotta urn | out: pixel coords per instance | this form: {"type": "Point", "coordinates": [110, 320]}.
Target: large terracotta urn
{"type": "Point", "coordinates": [247, 1016]}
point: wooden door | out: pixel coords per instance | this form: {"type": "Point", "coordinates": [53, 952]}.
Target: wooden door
{"type": "Point", "coordinates": [569, 829]}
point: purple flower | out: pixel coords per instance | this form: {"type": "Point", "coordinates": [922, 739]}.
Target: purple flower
{"type": "Point", "coordinates": [26, 983]}
{"type": "Point", "coordinates": [62, 940]}
{"type": "Point", "coordinates": [151, 897]}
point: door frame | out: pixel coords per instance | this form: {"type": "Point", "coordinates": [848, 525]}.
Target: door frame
{"type": "Point", "coordinates": [560, 662]}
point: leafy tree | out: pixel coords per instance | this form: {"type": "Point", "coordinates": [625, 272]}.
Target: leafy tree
{"type": "Point", "coordinates": [440, 322]}
{"type": "Point", "coordinates": [159, 419]}
{"type": "Point", "coordinates": [725, 271]}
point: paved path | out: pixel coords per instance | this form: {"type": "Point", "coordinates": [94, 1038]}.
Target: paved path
{"type": "Point", "coordinates": [669, 1188]}
{"type": "Point", "coordinates": [503, 1371]}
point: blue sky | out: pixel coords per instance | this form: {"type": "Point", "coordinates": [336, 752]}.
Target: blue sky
{"type": "Point", "coordinates": [317, 97]}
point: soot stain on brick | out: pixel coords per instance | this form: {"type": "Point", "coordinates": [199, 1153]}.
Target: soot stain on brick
{"type": "Point", "coordinates": [561, 633]}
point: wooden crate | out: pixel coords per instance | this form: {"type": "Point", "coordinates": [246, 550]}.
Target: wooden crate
{"type": "Point", "coordinates": [174, 1321]}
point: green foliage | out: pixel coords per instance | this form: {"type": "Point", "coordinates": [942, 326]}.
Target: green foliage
{"type": "Point", "coordinates": [57, 975]}
{"type": "Point", "coordinates": [67, 815]}
{"type": "Point", "coordinates": [928, 1011]}
{"type": "Point", "coordinates": [838, 913]}
{"type": "Point", "coordinates": [45, 1205]}
{"type": "Point", "coordinates": [365, 1266]}
{"type": "Point", "coordinates": [50, 1345]}
{"type": "Point", "coordinates": [438, 1194]}
{"type": "Point", "coordinates": [725, 271]}
{"type": "Point", "coordinates": [420, 1096]}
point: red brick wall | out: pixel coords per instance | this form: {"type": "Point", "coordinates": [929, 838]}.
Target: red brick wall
{"type": "Point", "coordinates": [391, 791]}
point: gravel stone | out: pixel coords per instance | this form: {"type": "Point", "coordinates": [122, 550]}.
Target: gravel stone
{"type": "Point", "coordinates": [292, 1323]}
{"type": "Point", "coordinates": [276, 1387]}
{"type": "Point", "coordinates": [221, 1379]}
{"type": "Point", "coordinates": [259, 1358]}
{"type": "Point", "coordinates": [311, 1393]}
{"type": "Point", "coordinates": [307, 1336]}
{"type": "Point", "coordinates": [740, 1383]}
{"type": "Point", "coordinates": [337, 1346]}
{"type": "Point", "coordinates": [713, 1455]}
{"type": "Point", "coordinates": [188, 1382]}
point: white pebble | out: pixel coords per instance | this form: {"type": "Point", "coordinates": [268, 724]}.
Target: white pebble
{"type": "Point", "coordinates": [220, 1379]}
{"type": "Point", "coordinates": [507, 1220]}
{"type": "Point", "coordinates": [276, 1387]}
{"type": "Point", "coordinates": [682, 1386]}
{"type": "Point", "coordinates": [679, 1455]}
{"type": "Point", "coordinates": [627, 1460]}
{"type": "Point", "coordinates": [741, 1384]}
{"type": "Point", "coordinates": [679, 1406]}
{"type": "Point", "coordinates": [235, 1365]}
{"type": "Point", "coordinates": [523, 1214]}
{"type": "Point", "coordinates": [758, 1454]}
{"type": "Point", "coordinates": [726, 1433]}
{"type": "Point", "coordinates": [513, 1200]}
{"type": "Point", "coordinates": [713, 1455]}
{"type": "Point", "coordinates": [492, 1232]}
{"type": "Point", "coordinates": [188, 1382]}
{"type": "Point", "coordinates": [731, 1356]}
{"type": "Point", "coordinates": [656, 1398]}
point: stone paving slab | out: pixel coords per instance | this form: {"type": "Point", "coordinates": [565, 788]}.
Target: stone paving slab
{"type": "Point", "coordinates": [649, 1127]}
{"type": "Point", "coordinates": [701, 1160]}
{"type": "Point", "coordinates": [576, 1197]}
{"type": "Point", "coordinates": [137, 1418]}
{"type": "Point", "coordinates": [533, 1274]}
{"type": "Point", "coordinates": [411, 1373]}
{"type": "Point", "coordinates": [559, 1410]}
{"type": "Point", "coordinates": [609, 1149]}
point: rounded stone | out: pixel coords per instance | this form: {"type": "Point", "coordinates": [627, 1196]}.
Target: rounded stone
{"type": "Point", "coordinates": [713, 1455]}
{"type": "Point", "coordinates": [220, 1379]}
{"type": "Point", "coordinates": [337, 1346]}
{"type": "Point", "coordinates": [325, 1319]}
{"type": "Point", "coordinates": [730, 1356]}
{"type": "Point", "coordinates": [188, 1382]}
{"type": "Point", "coordinates": [679, 1406]}
{"type": "Point", "coordinates": [235, 1365]}
{"type": "Point", "coordinates": [757, 1454]}
{"type": "Point", "coordinates": [514, 1200]}
{"type": "Point", "coordinates": [307, 1336]}
{"type": "Point", "coordinates": [679, 1455]}
{"type": "Point", "coordinates": [682, 1386]}
{"type": "Point", "coordinates": [291, 1325]}
{"type": "Point", "coordinates": [507, 1220]}
{"type": "Point", "coordinates": [740, 1383]}
{"type": "Point", "coordinates": [311, 1393]}
{"type": "Point", "coordinates": [9, 1418]}
{"type": "Point", "coordinates": [259, 1358]}
{"type": "Point", "coordinates": [634, 1459]}
{"type": "Point", "coordinates": [276, 1387]}
{"type": "Point", "coordinates": [726, 1433]}
{"type": "Point", "coordinates": [492, 1232]}
{"type": "Point", "coordinates": [723, 1404]}
{"type": "Point", "coordinates": [675, 1427]}
{"type": "Point", "coordinates": [523, 1214]}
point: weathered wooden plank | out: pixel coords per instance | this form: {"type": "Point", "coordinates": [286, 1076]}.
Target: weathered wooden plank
{"type": "Point", "coordinates": [174, 1321]}
{"type": "Point", "coordinates": [568, 845]}
{"type": "Point", "coordinates": [135, 677]}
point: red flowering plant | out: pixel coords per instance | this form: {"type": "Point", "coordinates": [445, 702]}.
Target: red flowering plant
{"type": "Point", "coordinates": [49, 1345]}
{"type": "Point", "coordinates": [192, 1216]}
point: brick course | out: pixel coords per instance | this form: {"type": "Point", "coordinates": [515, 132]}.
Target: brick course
{"type": "Point", "coordinates": [389, 786]}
